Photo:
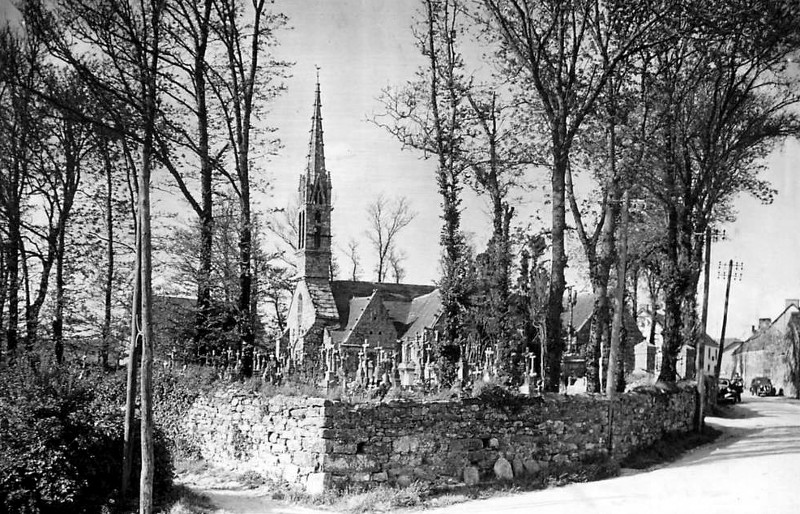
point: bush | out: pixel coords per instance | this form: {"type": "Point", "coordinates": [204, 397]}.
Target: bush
{"type": "Point", "coordinates": [61, 439]}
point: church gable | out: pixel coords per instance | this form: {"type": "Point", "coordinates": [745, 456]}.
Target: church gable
{"type": "Point", "coordinates": [368, 321]}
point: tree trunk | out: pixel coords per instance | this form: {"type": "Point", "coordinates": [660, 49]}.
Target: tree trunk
{"type": "Point", "coordinates": [58, 318]}
{"type": "Point", "coordinates": [555, 344]}
{"type": "Point", "coordinates": [615, 353]}
{"type": "Point", "coordinates": [134, 351]}
{"type": "Point", "coordinates": [109, 279]}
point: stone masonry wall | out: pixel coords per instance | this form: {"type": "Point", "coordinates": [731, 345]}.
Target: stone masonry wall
{"type": "Point", "coordinates": [319, 444]}
{"type": "Point", "coordinates": [278, 437]}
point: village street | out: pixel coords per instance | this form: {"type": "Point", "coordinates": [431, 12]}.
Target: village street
{"type": "Point", "coordinates": [752, 468]}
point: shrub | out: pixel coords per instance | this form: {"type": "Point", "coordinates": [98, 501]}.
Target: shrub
{"type": "Point", "coordinates": [61, 439]}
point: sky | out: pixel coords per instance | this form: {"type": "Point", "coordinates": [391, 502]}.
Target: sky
{"type": "Point", "coordinates": [362, 46]}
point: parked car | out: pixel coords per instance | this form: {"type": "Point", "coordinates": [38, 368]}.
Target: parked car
{"type": "Point", "coordinates": [762, 386]}
{"type": "Point", "coordinates": [727, 391]}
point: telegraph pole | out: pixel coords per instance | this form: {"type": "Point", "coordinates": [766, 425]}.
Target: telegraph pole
{"type": "Point", "coordinates": [734, 272]}
{"type": "Point", "coordinates": [699, 356]}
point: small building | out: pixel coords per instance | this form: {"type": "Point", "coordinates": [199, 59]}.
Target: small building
{"type": "Point", "coordinates": [767, 352]}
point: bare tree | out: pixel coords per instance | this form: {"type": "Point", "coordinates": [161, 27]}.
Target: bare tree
{"type": "Point", "coordinates": [351, 252]}
{"type": "Point", "coordinates": [396, 258]}
{"type": "Point", "coordinates": [248, 79]}
{"type": "Point", "coordinates": [386, 219]}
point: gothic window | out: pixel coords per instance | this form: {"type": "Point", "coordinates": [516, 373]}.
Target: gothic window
{"type": "Point", "coordinates": [301, 230]}
{"type": "Point", "coordinates": [299, 310]}
{"type": "Point", "coordinates": [317, 238]}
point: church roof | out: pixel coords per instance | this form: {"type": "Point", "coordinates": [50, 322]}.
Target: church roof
{"type": "Point", "coordinates": [424, 312]}
{"type": "Point", "coordinates": [393, 295]}
{"type": "Point", "coordinates": [322, 298]}
{"type": "Point", "coordinates": [410, 307]}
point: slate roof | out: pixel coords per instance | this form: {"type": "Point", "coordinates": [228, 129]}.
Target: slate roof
{"type": "Point", "coordinates": [393, 296]}
{"type": "Point", "coordinates": [411, 307]}
{"type": "Point", "coordinates": [582, 313]}
{"type": "Point", "coordinates": [424, 312]}
{"type": "Point", "coordinates": [323, 298]}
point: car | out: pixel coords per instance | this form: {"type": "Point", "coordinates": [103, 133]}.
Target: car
{"type": "Point", "coordinates": [762, 386]}
{"type": "Point", "coordinates": [727, 392]}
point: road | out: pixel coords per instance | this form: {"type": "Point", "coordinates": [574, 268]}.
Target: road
{"type": "Point", "coordinates": [754, 467]}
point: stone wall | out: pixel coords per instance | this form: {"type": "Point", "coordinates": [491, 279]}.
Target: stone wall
{"type": "Point", "coordinates": [318, 444]}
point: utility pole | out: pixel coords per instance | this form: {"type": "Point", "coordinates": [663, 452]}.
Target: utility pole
{"type": "Point", "coordinates": [699, 357]}
{"type": "Point", "coordinates": [735, 271]}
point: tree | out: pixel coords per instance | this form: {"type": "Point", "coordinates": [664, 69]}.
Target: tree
{"type": "Point", "coordinates": [248, 79]}
{"type": "Point", "coordinates": [189, 31]}
{"type": "Point", "coordinates": [425, 115]}
{"type": "Point", "coordinates": [386, 219]}
{"type": "Point", "coordinates": [550, 49]}
{"type": "Point", "coordinates": [20, 134]}
{"type": "Point", "coordinates": [351, 252]}
{"type": "Point", "coordinates": [720, 100]}
{"type": "Point", "coordinates": [127, 37]}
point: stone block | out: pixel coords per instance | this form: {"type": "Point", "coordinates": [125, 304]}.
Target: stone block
{"type": "Point", "coordinates": [404, 480]}
{"type": "Point", "coordinates": [471, 475]}
{"type": "Point", "coordinates": [518, 467]}
{"type": "Point", "coordinates": [503, 470]}
{"type": "Point", "coordinates": [380, 477]}
{"type": "Point", "coordinates": [406, 444]}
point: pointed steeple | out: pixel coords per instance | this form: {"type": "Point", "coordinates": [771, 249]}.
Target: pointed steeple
{"type": "Point", "coordinates": [316, 147]}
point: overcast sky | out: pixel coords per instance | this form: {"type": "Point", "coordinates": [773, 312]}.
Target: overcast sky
{"type": "Point", "coordinates": [362, 46]}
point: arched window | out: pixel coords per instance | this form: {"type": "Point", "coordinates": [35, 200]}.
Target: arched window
{"type": "Point", "coordinates": [299, 310]}
{"type": "Point", "coordinates": [301, 230]}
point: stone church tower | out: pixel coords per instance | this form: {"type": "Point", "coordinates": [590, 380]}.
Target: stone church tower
{"type": "Point", "coordinates": [314, 223]}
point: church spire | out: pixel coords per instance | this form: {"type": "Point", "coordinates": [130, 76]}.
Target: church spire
{"type": "Point", "coordinates": [316, 147]}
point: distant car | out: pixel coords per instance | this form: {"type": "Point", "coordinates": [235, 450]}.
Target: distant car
{"type": "Point", "coordinates": [762, 386]}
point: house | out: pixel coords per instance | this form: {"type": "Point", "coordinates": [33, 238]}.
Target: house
{"type": "Point", "coordinates": [768, 351]}
{"type": "Point", "coordinates": [649, 353]}
{"type": "Point", "coordinates": [730, 357]}
{"type": "Point", "coordinates": [343, 323]}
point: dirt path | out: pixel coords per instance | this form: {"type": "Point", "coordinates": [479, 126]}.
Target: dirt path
{"type": "Point", "coordinates": [228, 495]}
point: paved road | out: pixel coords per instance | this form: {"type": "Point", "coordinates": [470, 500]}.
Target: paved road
{"type": "Point", "coordinates": [753, 468]}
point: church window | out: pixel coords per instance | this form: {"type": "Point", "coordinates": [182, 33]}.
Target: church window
{"type": "Point", "coordinates": [301, 230]}
{"type": "Point", "coordinates": [299, 310]}
{"type": "Point", "coordinates": [317, 238]}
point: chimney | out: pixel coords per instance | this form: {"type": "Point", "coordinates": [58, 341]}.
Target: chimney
{"type": "Point", "coordinates": [763, 323]}
{"type": "Point", "coordinates": [792, 301]}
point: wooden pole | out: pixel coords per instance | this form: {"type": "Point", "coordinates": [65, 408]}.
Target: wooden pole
{"type": "Point", "coordinates": [699, 357]}
{"type": "Point", "coordinates": [718, 366]}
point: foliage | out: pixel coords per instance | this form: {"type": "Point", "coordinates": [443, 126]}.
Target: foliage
{"type": "Point", "coordinates": [61, 442]}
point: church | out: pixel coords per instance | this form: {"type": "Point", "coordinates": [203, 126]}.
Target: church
{"type": "Point", "coordinates": [342, 325]}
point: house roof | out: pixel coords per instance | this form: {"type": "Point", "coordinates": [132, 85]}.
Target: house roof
{"type": "Point", "coordinates": [758, 340]}
{"type": "Point", "coordinates": [582, 313]}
